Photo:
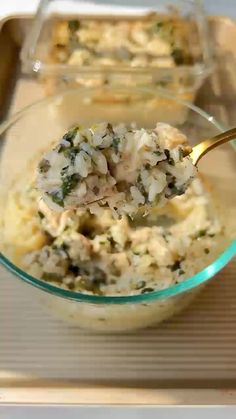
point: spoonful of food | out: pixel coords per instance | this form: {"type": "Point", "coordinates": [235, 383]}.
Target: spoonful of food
{"type": "Point", "coordinates": [120, 167]}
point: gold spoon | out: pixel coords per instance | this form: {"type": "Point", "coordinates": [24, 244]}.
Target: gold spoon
{"type": "Point", "coordinates": [199, 150]}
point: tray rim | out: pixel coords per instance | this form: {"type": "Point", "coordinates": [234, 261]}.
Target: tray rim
{"type": "Point", "coordinates": [80, 393]}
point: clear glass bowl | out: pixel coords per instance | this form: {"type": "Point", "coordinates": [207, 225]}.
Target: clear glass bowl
{"type": "Point", "coordinates": [27, 132]}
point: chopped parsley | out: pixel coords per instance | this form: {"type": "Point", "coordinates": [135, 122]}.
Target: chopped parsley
{"type": "Point", "coordinates": [147, 289]}
{"type": "Point", "coordinates": [158, 26]}
{"type": "Point", "coordinates": [93, 283]}
{"type": "Point", "coordinates": [175, 266]}
{"type": "Point", "coordinates": [75, 270]}
{"type": "Point", "coordinates": [181, 154]}
{"type": "Point", "coordinates": [70, 153]}
{"type": "Point", "coordinates": [44, 166]}
{"type": "Point", "coordinates": [178, 56]}
{"type": "Point", "coordinates": [70, 135]}
{"type": "Point", "coordinates": [140, 285]}
{"type": "Point", "coordinates": [168, 157]}
{"type": "Point", "coordinates": [56, 196]}
{"type": "Point", "coordinates": [61, 147]}
{"type": "Point", "coordinates": [63, 170]}
{"type": "Point", "coordinates": [69, 183]}
{"type": "Point", "coordinates": [110, 128]}
{"type": "Point", "coordinates": [48, 276]}
{"type": "Point", "coordinates": [176, 190]}
{"type": "Point", "coordinates": [141, 188]}
{"type": "Point", "coordinates": [201, 233]}
{"type": "Point", "coordinates": [96, 190]}
{"type": "Point", "coordinates": [74, 25]}
{"type": "Point", "coordinates": [41, 215]}
{"type": "Point", "coordinates": [206, 250]}
{"type": "Point", "coordinates": [115, 144]}
{"type": "Point", "coordinates": [157, 152]}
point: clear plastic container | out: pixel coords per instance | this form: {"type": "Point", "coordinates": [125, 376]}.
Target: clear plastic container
{"type": "Point", "coordinates": [184, 78]}
{"type": "Point", "coordinates": [32, 129]}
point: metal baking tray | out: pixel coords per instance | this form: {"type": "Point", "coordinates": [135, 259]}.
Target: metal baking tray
{"type": "Point", "coordinates": [190, 359]}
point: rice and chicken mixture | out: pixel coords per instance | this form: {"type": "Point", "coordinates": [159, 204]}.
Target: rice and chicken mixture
{"type": "Point", "coordinates": [120, 167]}
{"type": "Point", "coordinates": [104, 255]}
{"type": "Point", "coordinates": [154, 41]}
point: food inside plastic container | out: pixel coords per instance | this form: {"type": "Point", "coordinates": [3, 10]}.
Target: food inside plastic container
{"type": "Point", "coordinates": [157, 45]}
{"type": "Point", "coordinates": [153, 41]}
{"type": "Point", "coordinates": [142, 47]}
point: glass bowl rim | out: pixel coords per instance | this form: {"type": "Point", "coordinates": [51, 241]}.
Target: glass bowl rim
{"type": "Point", "coordinates": [189, 283]}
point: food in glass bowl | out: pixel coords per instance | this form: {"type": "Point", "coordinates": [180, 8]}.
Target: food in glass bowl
{"type": "Point", "coordinates": [97, 271]}
{"type": "Point", "coordinates": [86, 248]}
{"type": "Point", "coordinates": [115, 166]}
{"type": "Point", "coordinates": [102, 255]}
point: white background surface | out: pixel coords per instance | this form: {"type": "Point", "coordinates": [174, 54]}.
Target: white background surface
{"type": "Point", "coordinates": [222, 7]}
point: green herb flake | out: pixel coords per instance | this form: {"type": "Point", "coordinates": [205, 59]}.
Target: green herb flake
{"type": "Point", "coordinates": [69, 183]}
{"type": "Point", "coordinates": [177, 191]}
{"type": "Point", "coordinates": [178, 56]}
{"type": "Point", "coordinates": [140, 285]}
{"type": "Point", "coordinates": [110, 128]}
{"type": "Point", "coordinates": [157, 152]}
{"type": "Point", "coordinates": [168, 157]}
{"type": "Point", "coordinates": [74, 25]}
{"type": "Point", "coordinates": [206, 250]}
{"type": "Point", "coordinates": [70, 153]}
{"type": "Point", "coordinates": [181, 154]}
{"type": "Point", "coordinates": [115, 144]}
{"type": "Point", "coordinates": [63, 170]}
{"type": "Point", "coordinates": [147, 289]}
{"type": "Point", "coordinates": [96, 190]}
{"type": "Point", "coordinates": [93, 283]}
{"type": "Point", "coordinates": [181, 272]}
{"type": "Point", "coordinates": [41, 215]}
{"type": "Point", "coordinates": [61, 147]}
{"type": "Point", "coordinates": [141, 188]}
{"type": "Point", "coordinates": [175, 266]}
{"type": "Point", "coordinates": [158, 26]}
{"type": "Point", "coordinates": [44, 166]}
{"type": "Point", "coordinates": [48, 276]}
{"type": "Point", "coordinates": [56, 196]}
{"type": "Point", "coordinates": [70, 135]}
{"type": "Point", "coordinates": [201, 233]}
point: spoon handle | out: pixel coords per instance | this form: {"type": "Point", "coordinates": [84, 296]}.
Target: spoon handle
{"type": "Point", "coordinates": [204, 146]}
